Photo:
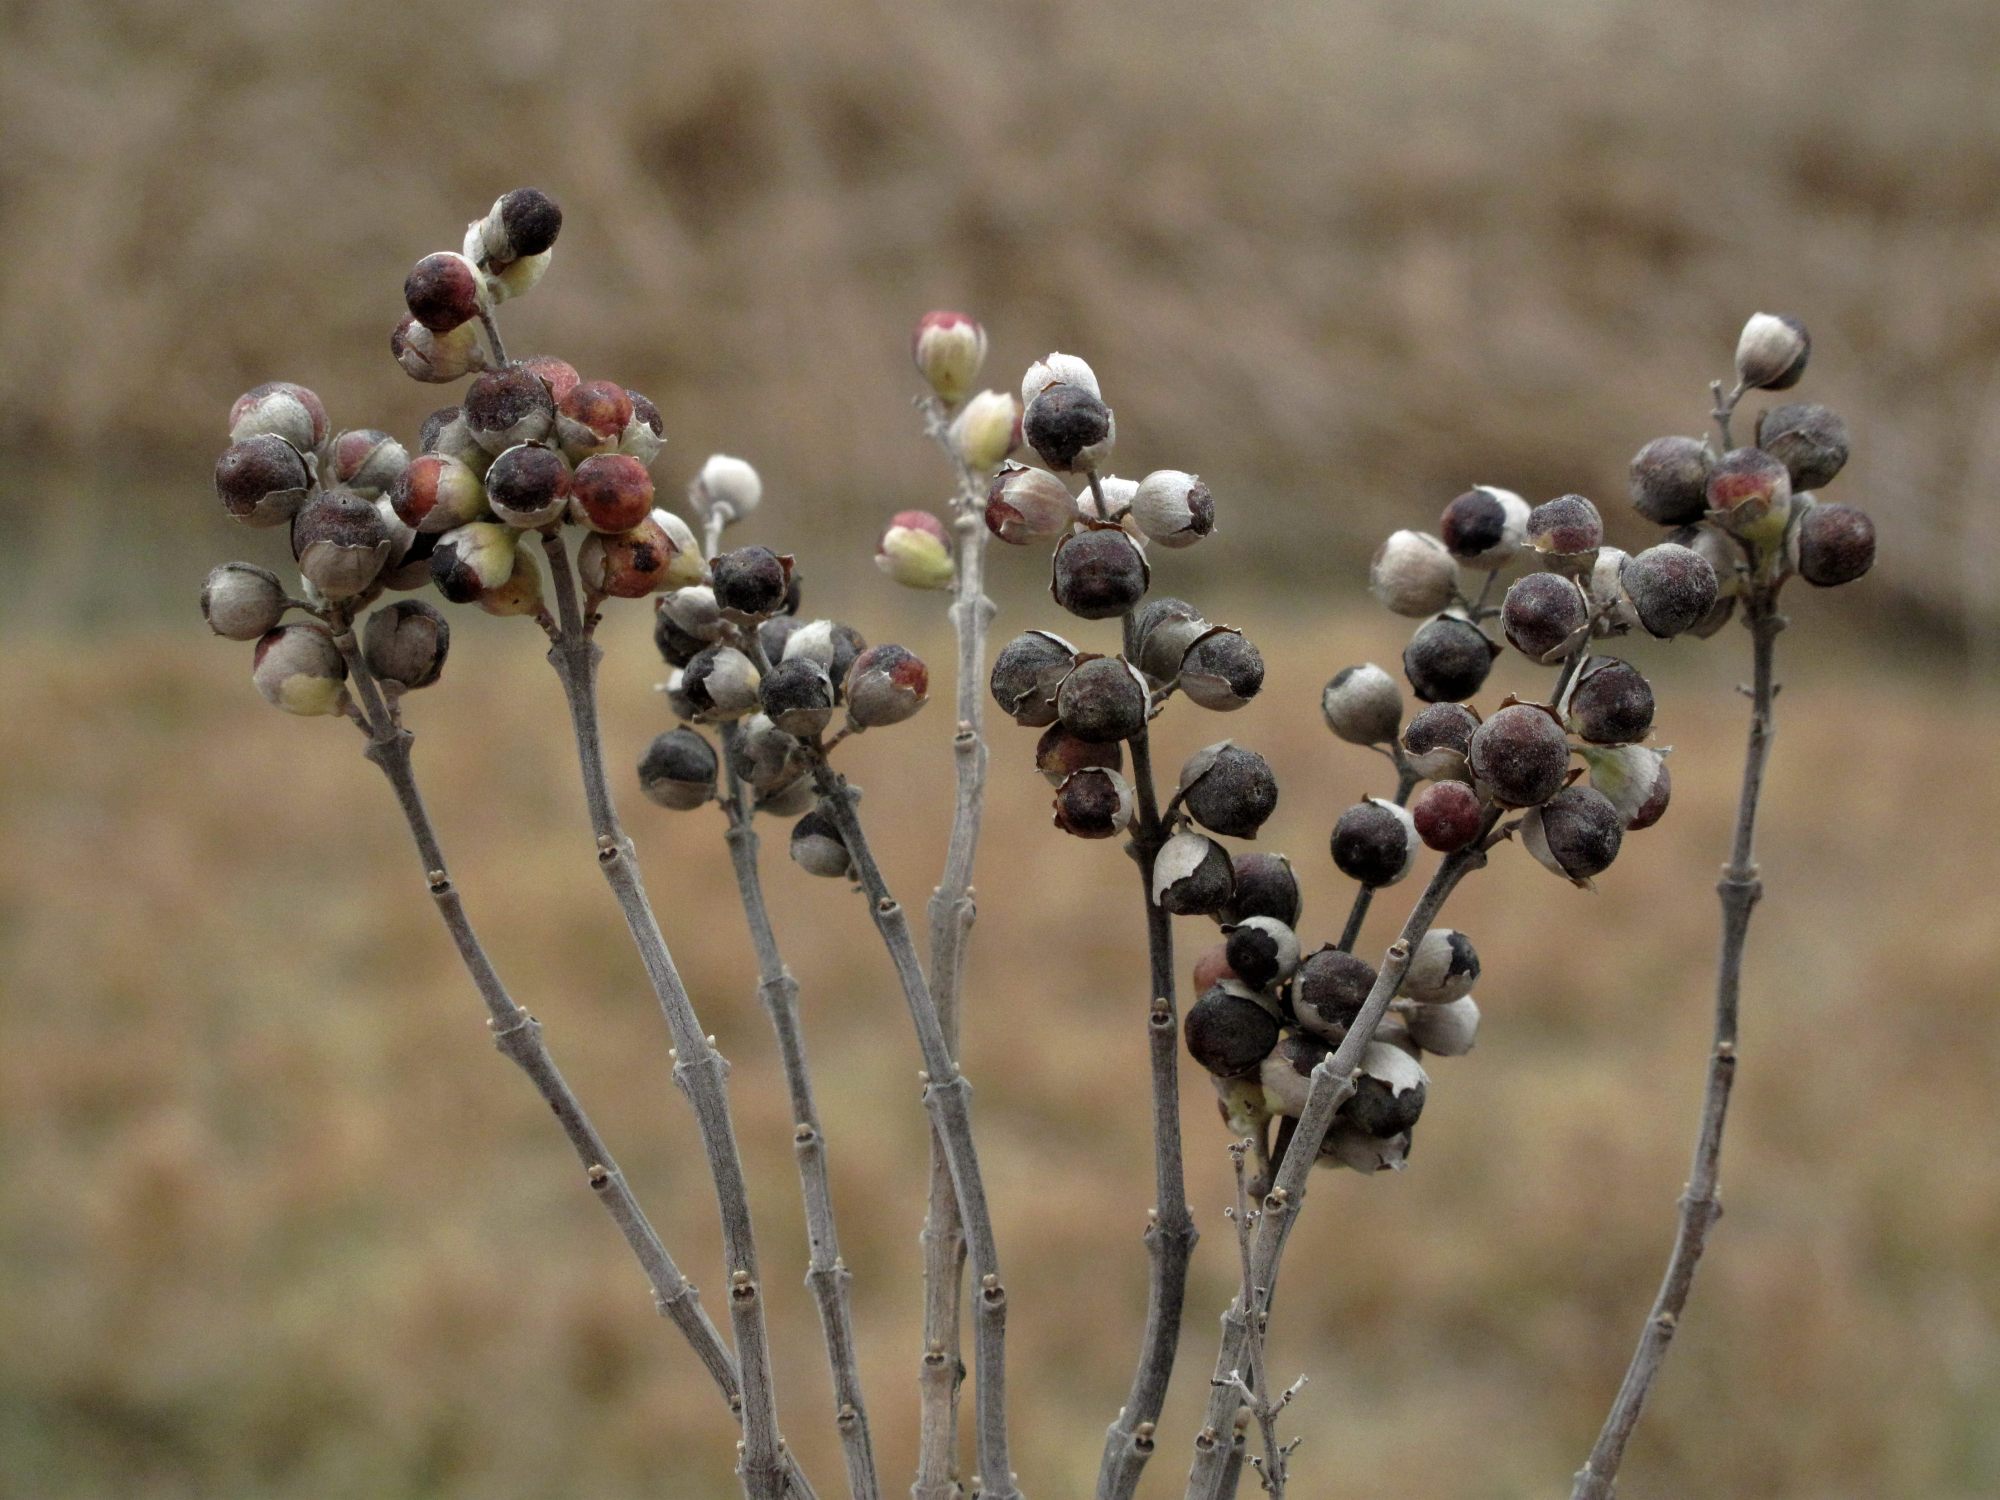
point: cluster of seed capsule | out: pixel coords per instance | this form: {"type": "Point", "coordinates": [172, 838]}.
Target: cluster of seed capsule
{"type": "Point", "coordinates": [532, 447]}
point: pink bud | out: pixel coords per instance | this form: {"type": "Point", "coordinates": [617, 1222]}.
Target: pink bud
{"type": "Point", "coordinates": [948, 348]}
{"type": "Point", "coordinates": [915, 551]}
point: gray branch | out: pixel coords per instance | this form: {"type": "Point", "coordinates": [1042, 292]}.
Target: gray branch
{"type": "Point", "coordinates": [947, 1096]}
{"type": "Point", "coordinates": [1700, 1206]}
{"type": "Point", "coordinates": [1332, 1083]}
{"type": "Point", "coordinates": [1170, 1229]}
{"type": "Point", "coordinates": [699, 1069]}
{"type": "Point", "coordinates": [518, 1035]}
{"type": "Point", "coordinates": [827, 1276]}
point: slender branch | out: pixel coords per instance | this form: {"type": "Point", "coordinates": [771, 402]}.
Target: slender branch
{"type": "Point", "coordinates": [827, 1276]}
{"type": "Point", "coordinates": [952, 913]}
{"type": "Point", "coordinates": [1700, 1206]}
{"type": "Point", "coordinates": [518, 1035]}
{"type": "Point", "coordinates": [1332, 1083]}
{"type": "Point", "coordinates": [486, 321]}
{"type": "Point", "coordinates": [1170, 1228]}
{"type": "Point", "coordinates": [699, 1070]}
{"type": "Point", "coordinates": [1725, 408]}
{"type": "Point", "coordinates": [1406, 783]}
{"type": "Point", "coordinates": [947, 1096]}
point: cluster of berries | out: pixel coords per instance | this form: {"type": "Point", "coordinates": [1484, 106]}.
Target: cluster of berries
{"type": "Point", "coordinates": [531, 447]}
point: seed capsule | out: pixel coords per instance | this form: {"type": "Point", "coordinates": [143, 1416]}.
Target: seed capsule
{"type": "Point", "coordinates": [1437, 740]}
{"type": "Point", "coordinates": [1484, 528]}
{"type": "Point", "coordinates": [405, 643]}
{"type": "Point", "coordinates": [1749, 495]}
{"type": "Point", "coordinates": [1116, 507]}
{"type": "Point", "coordinates": [646, 434]}
{"type": "Point", "coordinates": [885, 685]}
{"type": "Point", "coordinates": [833, 645]}
{"type": "Point", "coordinates": [279, 408]}
{"type": "Point", "coordinates": [1808, 439]}
{"type": "Point", "coordinates": [1771, 352]}
{"type": "Point", "coordinates": [1448, 815]}
{"type": "Point", "coordinates": [1359, 1152]}
{"type": "Point", "coordinates": [1375, 842]}
{"type": "Point", "coordinates": [446, 434]}
{"type": "Point", "coordinates": [1389, 1093]}
{"type": "Point", "coordinates": [1670, 480]}
{"type": "Point", "coordinates": [1070, 427]}
{"type": "Point", "coordinates": [1024, 504]}
{"type": "Point", "coordinates": [436, 494]}
{"type": "Point", "coordinates": [1228, 1034]}
{"type": "Point", "coordinates": [948, 348]}
{"type": "Point", "coordinates": [1285, 1075]}
{"type": "Point", "coordinates": [610, 493]}
{"type": "Point", "coordinates": [1262, 950]}
{"type": "Point", "coordinates": [1610, 612]}
{"type": "Point", "coordinates": [1567, 530]}
{"type": "Point", "coordinates": [470, 560]}
{"type": "Point", "coordinates": [986, 431]}
{"type": "Point", "coordinates": [789, 801]}
{"type": "Point", "coordinates": [528, 485]}
{"type": "Point", "coordinates": [915, 551]}
{"type": "Point", "coordinates": [1095, 804]}
{"type": "Point", "coordinates": [1671, 589]}
{"type": "Point", "coordinates": [339, 542]}
{"type": "Point", "coordinates": [1026, 674]}
{"type": "Point", "coordinates": [1448, 1029]}
{"type": "Point", "coordinates": [1192, 876]}
{"type": "Point", "coordinates": [1099, 573]}
{"type": "Point", "coordinates": [1060, 754]}
{"type": "Point", "coordinates": [408, 565]}
{"type": "Point", "coordinates": [367, 462]}
{"type": "Point", "coordinates": [559, 375]}
{"type": "Point", "coordinates": [722, 684]}
{"type": "Point", "coordinates": [1057, 369]}
{"type": "Point", "coordinates": [519, 594]}
{"type": "Point", "coordinates": [299, 669]}
{"type": "Point", "coordinates": [1103, 698]}
{"type": "Point", "coordinates": [1222, 670]}
{"type": "Point", "coordinates": [442, 291]}
{"type": "Point", "coordinates": [1543, 614]}
{"type": "Point", "coordinates": [678, 770]}
{"type": "Point", "coordinates": [521, 223]}
{"type": "Point", "coordinates": [505, 407]}
{"type": "Point", "coordinates": [766, 756]}
{"type": "Point", "coordinates": [1362, 705]}
{"type": "Point", "coordinates": [629, 565]}
{"type": "Point", "coordinates": [1833, 544]}
{"type": "Point", "coordinates": [435, 358]}
{"type": "Point", "coordinates": [694, 615]}
{"type": "Point", "coordinates": [750, 583]}
{"type": "Point", "coordinates": [1173, 508]}
{"type": "Point", "coordinates": [1413, 574]}
{"type": "Point", "coordinates": [798, 697]}
{"type": "Point", "coordinates": [1520, 756]}
{"type": "Point", "coordinates": [1163, 630]}
{"type": "Point", "coordinates": [1228, 789]}
{"type": "Point", "coordinates": [728, 486]}
{"type": "Point", "coordinates": [1329, 991]}
{"type": "Point", "coordinates": [1264, 886]}
{"type": "Point", "coordinates": [1610, 703]}
{"type": "Point", "coordinates": [1447, 659]}
{"type": "Point", "coordinates": [818, 849]}
{"type": "Point", "coordinates": [242, 601]}
{"type": "Point", "coordinates": [1634, 778]}
{"type": "Point", "coordinates": [1445, 967]}
{"type": "Point", "coordinates": [262, 480]}
{"type": "Point", "coordinates": [1575, 833]}
{"type": "Point", "coordinates": [591, 418]}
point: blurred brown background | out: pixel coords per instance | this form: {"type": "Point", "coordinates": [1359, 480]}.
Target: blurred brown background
{"type": "Point", "coordinates": [275, 1222]}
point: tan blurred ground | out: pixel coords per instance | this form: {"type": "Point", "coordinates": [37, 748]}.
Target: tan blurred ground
{"type": "Point", "coordinates": [275, 1222]}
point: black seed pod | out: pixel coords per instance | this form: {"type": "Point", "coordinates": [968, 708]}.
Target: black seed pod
{"type": "Point", "coordinates": [1192, 876]}
{"type": "Point", "coordinates": [1447, 660]}
{"type": "Point", "coordinates": [1484, 527]}
{"type": "Point", "coordinates": [750, 583]}
{"type": "Point", "coordinates": [261, 481]}
{"type": "Point", "coordinates": [528, 485]}
{"type": "Point", "coordinates": [1520, 755]}
{"type": "Point", "coordinates": [1059, 754]}
{"type": "Point", "coordinates": [1262, 951]}
{"type": "Point", "coordinates": [1222, 670]}
{"type": "Point", "coordinates": [1445, 967]}
{"type": "Point", "coordinates": [1099, 573]}
{"type": "Point", "coordinates": [1229, 790]}
{"type": "Point", "coordinates": [1575, 833]}
{"type": "Point", "coordinates": [405, 643]}
{"type": "Point", "coordinates": [721, 682]}
{"type": "Point", "coordinates": [1670, 480]}
{"type": "Point", "coordinates": [1375, 842]}
{"type": "Point", "coordinates": [797, 695]}
{"type": "Point", "coordinates": [1070, 427]}
{"type": "Point", "coordinates": [1329, 991]}
{"type": "Point", "coordinates": [1442, 726]}
{"type": "Point", "coordinates": [1611, 703]}
{"type": "Point", "coordinates": [505, 407]}
{"type": "Point", "coordinates": [1264, 887]}
{"type": "Point", "coordinates": [1376, 1107]}
{"type": "Point", "coordinates": [1565, 528]}
{"type": "Point", "coordinates": [1026, 673]}
{"type": "Point", "coordinates": [833, 645]}
{"type": "Point", "coordinates": [1103, 698]}
{"type": "Point", "coordinates": [1833, 544]}
{"type": "Point", "coordinates": [1095, 804]}
{"type": "Point", "coordinates": [1671, 588]}
{"type": "Point", "coordinates": [676, 646]}
{"type": "Point", "coordinates": [531, 220]}
{"type": "Point", "coordinates": [1162, 632]}
{"type": "Point", "coordinates": [774, 634]}
{"type": "Point", "coordinates": [340, 542]}
{"type": "Point", "coordinates": [818, 849]}
{"type": "Point", "coordinates": [1541, 612]}
{"type": "Point", "coordinates": [1228, 1034]}
{"type": "Point", "coordinates": [678, 770]}
{"type": "Point", "coordinates": [1810, 440]}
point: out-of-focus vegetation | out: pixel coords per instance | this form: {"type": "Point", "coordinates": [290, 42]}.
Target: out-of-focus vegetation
{"type": "Point", "coordinates": [274, 1222]}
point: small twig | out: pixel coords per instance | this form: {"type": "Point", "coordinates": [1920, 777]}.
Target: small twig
{"type": "Point", "coordinates": [487, 322]}
{"type": "Point", "coordinates": [827, 1276]}
{"type": "Point", "coordinates": [699, 1069]}
{"type": "Point", "coordinates": [947, 1096]}
{"type": "Point", "coordinates": [1725, 408]}
{"type": "Point", "coordinates": [518, 1035]}
{"type": "Point", "coordinates": [1700, 1206]}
